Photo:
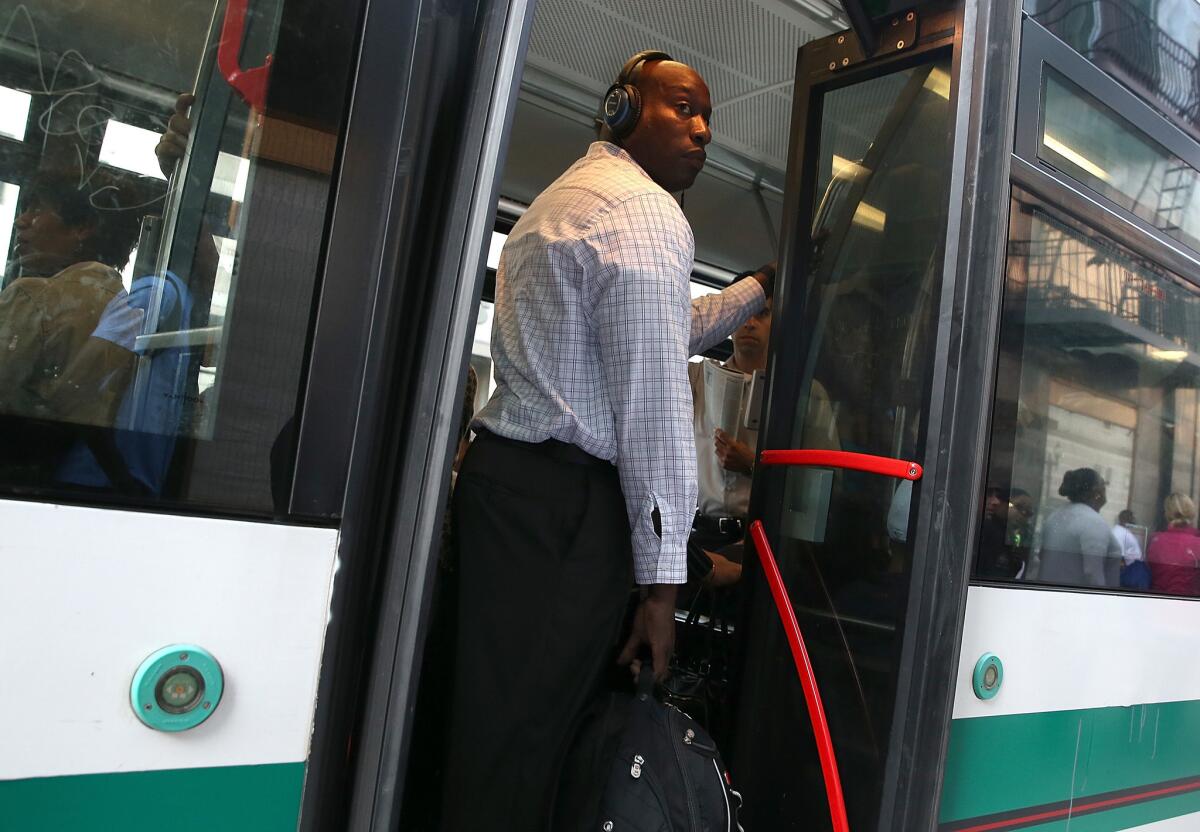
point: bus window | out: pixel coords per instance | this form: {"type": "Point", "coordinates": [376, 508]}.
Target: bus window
{"type": "Point", "coordinates": [161, 250]}
{"type": "Point", "coordinates": [1149, 47]}
{"type": "Point", "coordinates": [1092, 144]}
{"type": "Point", "coordinates": [1093, 467]}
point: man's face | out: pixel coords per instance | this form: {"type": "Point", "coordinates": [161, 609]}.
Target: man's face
{"type": "Point", "coordinates": [45, 244]}
{"type": "Point", "coordinates": [753, 337]}
{"type": "Point", "coordinates": [993, 504]}
{"type": "Point", "coordinates": [672, 132]}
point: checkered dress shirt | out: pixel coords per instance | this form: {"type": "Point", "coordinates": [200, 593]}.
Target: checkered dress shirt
{"type": "Point", "coordinates": [594, 326]}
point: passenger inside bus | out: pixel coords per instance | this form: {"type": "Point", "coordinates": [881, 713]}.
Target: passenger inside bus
{"type": "Point", "coordinates": [725, 445]}
{"type": "Point", "coordinates": [1006, 532]}
{"type": "Point", "coordinates": [63, 310]}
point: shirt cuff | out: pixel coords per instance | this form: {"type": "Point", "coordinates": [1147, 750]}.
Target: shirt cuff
{"type": "Point", "coordinates": [666, 566]}
{"type": "Point", "coordinates": [749, 292]}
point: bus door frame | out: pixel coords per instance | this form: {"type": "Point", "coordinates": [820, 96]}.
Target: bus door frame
{"type": "Point", "coordinates": [984, 37]}
{"type": "Point", "coordinates": [417, 176]}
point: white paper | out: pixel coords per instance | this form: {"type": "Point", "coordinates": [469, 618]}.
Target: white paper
{"type": "Point", "coordinates": [722, 396]}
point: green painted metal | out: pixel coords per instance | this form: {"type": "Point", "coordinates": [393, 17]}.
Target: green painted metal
{"type": "Point", "coordinates": [181, 662]}
{"type": "Point", "coordinates": [986, 684]}
{"type": "Point", "coordinates": [999, 763]}
{"type": "Point", "coordinates": [230, 799]}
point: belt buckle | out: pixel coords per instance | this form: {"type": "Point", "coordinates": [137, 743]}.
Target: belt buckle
{"type": "Point", "coordinates": [727, 525]}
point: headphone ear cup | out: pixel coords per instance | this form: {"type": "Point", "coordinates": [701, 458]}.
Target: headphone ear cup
{"type": "Point", "coordinates": [622, 108]}
{"type": "Point", "coordinates": [635, 109]}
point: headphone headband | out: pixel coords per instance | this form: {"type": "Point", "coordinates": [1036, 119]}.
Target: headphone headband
{"type": "Point", "coordinates": [633, 67]}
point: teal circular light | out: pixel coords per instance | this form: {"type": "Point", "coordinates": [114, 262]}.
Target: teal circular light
{"type": "Point", "coordinates": [988, 676]}
{"type": "Point", "coordinates": [176, 687]}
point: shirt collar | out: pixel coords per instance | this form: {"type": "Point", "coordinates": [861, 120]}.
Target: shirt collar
{"type": "Point", "coordinates": [600, 149]}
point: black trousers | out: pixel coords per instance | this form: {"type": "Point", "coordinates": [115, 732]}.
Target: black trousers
{"type": "Point", "coordinates": [545, 571]}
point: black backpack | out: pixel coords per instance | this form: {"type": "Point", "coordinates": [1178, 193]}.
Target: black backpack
{"type": "Point", "coordinates": [638, 765]}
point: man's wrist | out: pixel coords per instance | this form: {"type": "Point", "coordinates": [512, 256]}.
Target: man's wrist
{"type": "Point", "coordinates": [765, 275]}
{"type": "Point", "coordinates": [660, 592]}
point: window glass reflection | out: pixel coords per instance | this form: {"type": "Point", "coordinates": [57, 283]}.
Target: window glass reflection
{"type": "Point", "coordinates": [1096, 427]}
{"type": "Point", "coordinates": [161, 249]}
{"type": "Point", "coordinates": [1148, 45]}
{"type": "Point", "coordinates": [1089, 142]}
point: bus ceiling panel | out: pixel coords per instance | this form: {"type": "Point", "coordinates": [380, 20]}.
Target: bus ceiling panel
{"type": "Point", "coordinates": [743, 48]}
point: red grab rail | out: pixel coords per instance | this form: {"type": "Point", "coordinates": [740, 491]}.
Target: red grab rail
{"type": "Point", "coordinates": [888, 467]}
{"type": "Point", "coordinates": [885, 465]}
{"type": "Point", "coordinates": [808, 680]}
{"type": "Point", "coordinates": [250, 84]}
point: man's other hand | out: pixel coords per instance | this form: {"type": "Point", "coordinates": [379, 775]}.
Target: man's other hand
{"type": "Point", "coordinates": [653, 626]}
{"type": "Point", "coordinates": [724, 572]}
{"type": "Point", "coordinates": [765, 275]}
{"type": "Point", "coordinates": [171, 146]}
{"type": "Point", "coordinates": [733, 455]}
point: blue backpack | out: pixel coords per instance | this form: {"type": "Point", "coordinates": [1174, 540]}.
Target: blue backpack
{"type": "Point", "coordinates": [1136, 575]}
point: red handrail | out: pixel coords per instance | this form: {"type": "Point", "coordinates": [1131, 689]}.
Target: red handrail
{"type": "Point", "coordinates": [808, 680]}
{"type": "Point", "coordinates": [885, 465]}
{"type": "Point", "coordinates": [888, 467]}
{"type": "Point", "coordinates": [250, 84]}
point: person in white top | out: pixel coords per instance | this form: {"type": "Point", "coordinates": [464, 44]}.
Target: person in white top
{"type": "Point", "coordinates": [1078, 547]}
{"type": "Point", "coordinates": [1131, 549]}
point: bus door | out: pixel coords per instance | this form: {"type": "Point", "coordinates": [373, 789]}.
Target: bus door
{"type": "Point", "coordinates": [214, 311]}
{"type": "Point", "coordinates": [864, 350]}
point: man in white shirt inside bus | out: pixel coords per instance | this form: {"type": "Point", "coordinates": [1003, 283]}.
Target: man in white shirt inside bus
{"type": "Point", "coordinates": [584, 469]}
{"type": "Point", "coordinates": [724, 445]}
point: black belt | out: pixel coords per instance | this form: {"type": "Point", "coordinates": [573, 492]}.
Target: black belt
{"type": "Point", "coordinates": [719, 525]}
{"type": "Point", "coordinates": [551, 448]}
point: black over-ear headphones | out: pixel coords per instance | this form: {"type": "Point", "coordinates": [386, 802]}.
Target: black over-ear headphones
{"type": "Point", "coordinates": [622, 104]}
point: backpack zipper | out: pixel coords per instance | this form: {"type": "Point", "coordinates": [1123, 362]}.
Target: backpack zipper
{"type": "Point", "coordinates": [652, 784]}
{"type": "Point", "coordinates": [693, 812]}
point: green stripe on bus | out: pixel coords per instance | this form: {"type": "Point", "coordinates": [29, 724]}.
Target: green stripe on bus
{"type": "Point", "coordinates": [1125, 817]}
{"type": "Point", "coordinates": [230, 798]}
{"type": "Point", "coordinates": [1004, 763]}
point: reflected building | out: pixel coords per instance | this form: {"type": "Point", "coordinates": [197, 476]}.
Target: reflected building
{"type": "Point", "coordinates": [1099, 367]}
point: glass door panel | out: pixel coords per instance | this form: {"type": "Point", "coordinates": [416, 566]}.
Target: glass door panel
{"type": "Point", "coordinates": [864, 332]}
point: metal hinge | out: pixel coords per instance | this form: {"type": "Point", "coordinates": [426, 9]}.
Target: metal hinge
{"type": "Point", "coordinates": [897, 33]}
